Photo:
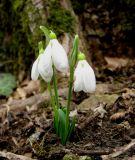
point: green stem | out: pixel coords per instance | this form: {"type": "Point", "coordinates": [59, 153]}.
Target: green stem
{"type": "Point", "coordinates": [70, 89]}
{"type": "Point", "coordinates": [69, 96]}
{"type": "Point", "coordinates": [73, 61]}
{"type": "Point", "coordinates": [51, 95]}
{"type": "Point", "coordinates": [55, 87]}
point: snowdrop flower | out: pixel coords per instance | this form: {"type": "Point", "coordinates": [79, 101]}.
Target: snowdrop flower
{"type": "Point", "coordinates": [54, 54]}
{"type": "Point", "coordinates": [84, 76]}
{"type": "Point", "coordinates": [58, 54]}
{"type": "Point", "coordinates": [34, 71]}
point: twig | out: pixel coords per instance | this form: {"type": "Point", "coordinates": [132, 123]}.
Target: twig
{"type": "Point", "coordinates": [21, 104]}
{"type": "Point", "coordinates": [91, 152]}
{"type": "Point", "coordinates": [118, 151]}
{"type": "Point", "coordinates": [12, 156]}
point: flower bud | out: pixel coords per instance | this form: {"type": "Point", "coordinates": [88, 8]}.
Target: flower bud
{"type": "Point", "coordinates": [52, 35]}
{"type": "Point", "coordinates": [81, 56]}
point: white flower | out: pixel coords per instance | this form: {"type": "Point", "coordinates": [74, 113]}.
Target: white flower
{"type": "Point", "coordinates": [59, 56]}
{"type": "Point", "coordinates": [34, 72]}
{"type": "Point", "coordinates": [84, 77]}
{"type": "Point", "coordinates": [45, 65]}
{"type": "Point", "coordinates": [54, 54]}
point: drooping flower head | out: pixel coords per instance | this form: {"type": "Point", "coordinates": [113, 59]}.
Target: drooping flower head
{"type": "Point", "coordinates": [84, 76]}
{"type": "Point", "coordinates": [34, 71]}
{"type": "Point", "coordinates": [54, 54]}
{"type": "Point", "coordinates": [59, 56]}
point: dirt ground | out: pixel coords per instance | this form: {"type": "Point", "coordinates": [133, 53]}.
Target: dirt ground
{"type": "Point", "coordinates": [105, 120]}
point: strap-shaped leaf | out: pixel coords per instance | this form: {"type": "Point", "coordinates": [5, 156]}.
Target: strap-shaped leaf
{"type": "Point", "coordinates": [46, 32]}
{"type": "Point", "coordinates": [71, 128]}
{"type": "Point", "coordinates": [64, 109]}
{"type": "Point", "coordinates": [74, 54]}
{"type": "Point", "coordinates": [62, 124]}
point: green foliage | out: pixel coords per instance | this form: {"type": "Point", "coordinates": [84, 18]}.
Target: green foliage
{"type": "Point", "coordinates": [46, 33]}
{"type": "Point", "coordinates": [63, 127]}
{"type": "Point", "coordinates": [74, 54]}
{"type": "Point", "coordinates": [60, 20]}
{"type": "Point", "coordinates": [63, 124]}
{"type": "Point", "coordinates": [7, 83]}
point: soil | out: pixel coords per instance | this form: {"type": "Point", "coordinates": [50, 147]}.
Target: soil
{"type": "Point", "coordinates": [30, 132]}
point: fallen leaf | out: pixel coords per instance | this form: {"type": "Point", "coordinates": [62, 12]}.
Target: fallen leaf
{"type": "Point", "coordinates": [33, 86]}
{"type": "Point", "coordinates": [117, 116]}
{"type": "Point", "coordinates": [129, 93]}
{"type": "Point", "coordinates": [21, 93]}
{"type": "Point", "coordinates": [100, 110]}
{"type": "Point", "coordinates": [114, 63]}
{"type": "Point", "coordinates": [28, 88]}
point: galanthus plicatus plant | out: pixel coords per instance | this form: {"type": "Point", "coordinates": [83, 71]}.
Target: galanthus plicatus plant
{"type": "Point", "coordinates": [54, 58]}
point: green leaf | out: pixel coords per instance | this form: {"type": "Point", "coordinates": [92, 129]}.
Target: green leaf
{"type": "Point", "coordinates": [46, 32]}
{"type": "Point", "coordinates": [62, 124]}
{"type": "Point", "coordinates": [7, 83]}
{"type": "Point", "coordinates": [74, 54]}
{"type": "Point", "coordinates": [56, 120]}
{"type": "Point", "coordinates": [64, 109]}
{"type": "Point", "coordinates": [71, 128]}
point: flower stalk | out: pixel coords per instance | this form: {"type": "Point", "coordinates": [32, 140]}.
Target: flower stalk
{"type": "Point", "coordinates": [73, 61]}
{"type": "Point", "coordinates": [55, 87]}
{"type": "Point", "coordinates": [51, 94]}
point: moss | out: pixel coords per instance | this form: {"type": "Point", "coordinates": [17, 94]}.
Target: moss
{"type": "Point", "coordinates": [15, 48]}
{"type": "Point", "coordinates": [20, 33]}
{"type": "Point", "coordinates": [32, 17]}
{"type": "Point", "coordinates": [71, 157]}
{"type": "Point", "coordinates": [40, 151]}
{"type": "Point", "coordinates": [12, 38]}
{"type": "Point", "coordinates": [60, 20]}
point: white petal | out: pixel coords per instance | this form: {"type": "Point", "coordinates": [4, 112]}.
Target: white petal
{"type": "Point", "coordinates": [84, 77]}
{"type": "Point", "coordinates": [59, 56]}
{"type": "Point", "coordinates": [45, 64]}
{"type": "Point", "coordinates": [88, 77]}
{"type": "Point", "coordinates": [34, 71]}
{"type": "Point", "coordinates": [78, 83]}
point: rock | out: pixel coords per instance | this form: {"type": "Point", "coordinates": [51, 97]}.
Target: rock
{"type": "Point", "coordinates": [94, 100]}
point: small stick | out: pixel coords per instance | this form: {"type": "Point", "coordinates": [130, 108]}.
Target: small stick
{"type": "Point", "coordinates": [12, 156]}
{"type": "Point", "coordinates": [91, 152]}
{"type": "Point", "coordinates": [119, 150]}
{"type": "Point", "coordinates": [21, 104]}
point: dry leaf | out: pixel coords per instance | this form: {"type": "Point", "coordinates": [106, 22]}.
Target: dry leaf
{"type": "Point", "coordinates": [33, 86]}
{"type": "Point", "coordinates": [114, 63]}
{"type": "Point", "coordinates": [73, 113]}
{"type": "Point", "coordinates": [21, 93]}
{"type": "Point", "coordinates": [129, 93]}
{"type": "Point", "coordinates": [100, 110]}
{"type": "Point", "coordinates": [117, 116]}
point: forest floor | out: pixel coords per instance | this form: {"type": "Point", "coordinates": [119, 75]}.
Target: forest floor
{"type": "Point", "coordinates": [105, 120]}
